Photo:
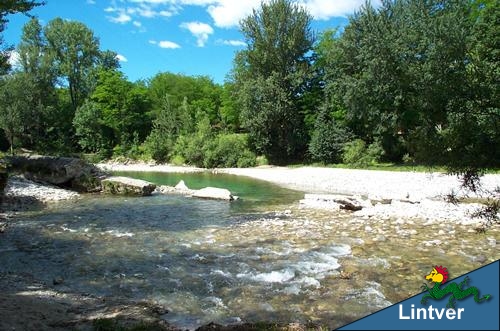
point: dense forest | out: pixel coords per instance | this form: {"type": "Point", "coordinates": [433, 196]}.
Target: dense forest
{"type": "Point", "coordinates": [409, 81]}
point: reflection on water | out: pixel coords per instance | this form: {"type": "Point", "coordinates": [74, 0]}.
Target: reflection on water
{"type": "Point", "coordinates": [209, 261]}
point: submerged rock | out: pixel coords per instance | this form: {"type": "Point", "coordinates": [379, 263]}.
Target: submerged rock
{"type": "Point", "coordinates": [214, 193]}
{"type": "Point", "coordinates": [127, 186]}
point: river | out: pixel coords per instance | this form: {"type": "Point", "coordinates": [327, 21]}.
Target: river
{"type": "Point", "coordinates": [262, 258]}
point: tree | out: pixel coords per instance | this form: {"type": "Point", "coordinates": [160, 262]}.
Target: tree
{"type": "Point", "coordinates": [8, 7]}
{"type": "Point", "coordinates": [89, 129]}
{"type": "Point", "coordinates": [15, 99]}
{"type": "Point", "coordinates": [123, 105]}
{"type": "Point", "coordinates": [37, 66]}
{"type": "Point", "coordinates": [199, 93]}
{"type": "Point", "coordinates": [400, 69]}
{"type": "Point", "coordinates": [75, 50]}
{"type": "Point", "coordinates": [271, 76]}
{"type": "Point", "coordinates": [168, 125]}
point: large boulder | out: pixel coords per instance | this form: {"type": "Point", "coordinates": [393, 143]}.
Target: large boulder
{"type": "Point", "coordinates": [65, 172]}
{"type": "Point", "coordinates": [127, 186]}
{"type": "Point", "coordinates": [180, 189]}
{"type": "Point", "coordinates": [214, 193]}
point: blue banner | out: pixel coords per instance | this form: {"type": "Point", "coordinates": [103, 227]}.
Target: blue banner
{"type": "Point", "coordinates": [468, 302]}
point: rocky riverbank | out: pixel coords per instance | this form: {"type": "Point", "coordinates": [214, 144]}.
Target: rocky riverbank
{"type": "Point", "coordinates": [378, 194]}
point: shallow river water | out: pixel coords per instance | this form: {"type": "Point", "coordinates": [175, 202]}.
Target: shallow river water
{"type": "Point", "coordinates": [259, 259]}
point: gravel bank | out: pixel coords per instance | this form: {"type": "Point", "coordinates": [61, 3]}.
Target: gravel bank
{"type": "Point", "coordinates": [413, 186]}
{"type": "Point", "coordinates": [113, 166]}
{"type": "Point", "coordinates": [23, 190]}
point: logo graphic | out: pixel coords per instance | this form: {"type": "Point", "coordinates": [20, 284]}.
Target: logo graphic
{"type": "Point", "coordinates": [439, 276]}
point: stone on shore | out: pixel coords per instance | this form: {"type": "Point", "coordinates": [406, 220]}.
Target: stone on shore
{"type": "Point", "coordinates": [65, 172]}
{"type": "Point", "coordinates": [214, 193]}
{"type": "Point", "coordinates": [127, 186]}
{"type": "Point", "coordinates": [334, 201]}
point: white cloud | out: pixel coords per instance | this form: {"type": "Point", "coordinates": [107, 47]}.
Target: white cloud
{"type": "Point", "coordinates": [121, 58]}
{"type": "Point", "coordinates": [228, 13]}
{"type": "Point", "coordinates": [122, 17]}
{"type": "Point", "coordinates": [153, 42]}
{"type": "Point", "coordinates": [168, 44]}
{"type": "Point", "coordinates": [237, 43]}
{"type": "Point", "coordinates": [91, 2]}
{"type": "Point", "coordinates": [14, 59]}
{"type": "Point", "coordinates": [137, 24]}
{"type": "Point", "coordinates": [224, 13]}
{"type": "Point", "coordinates": [200, 30]}
{"type": "Point", "coordinates": [326, 9]}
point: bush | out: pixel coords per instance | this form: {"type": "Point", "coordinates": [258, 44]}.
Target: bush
{"type": "Point", "coordinates": [158, 147]}
{"type": "Point", "coordinates": [228, 151]}
{"type": "Point", "coordinates": [190, 149]}
{"type": "Point", "coordinates": [262, 160]}
{"type": "Point", "coordinates": [358, 154]}
{"type": "Point", "coordinates": [328, 140]}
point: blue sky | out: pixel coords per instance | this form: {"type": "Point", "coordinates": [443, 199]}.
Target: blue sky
{"type": "Point", "coordinates": [191, 37]}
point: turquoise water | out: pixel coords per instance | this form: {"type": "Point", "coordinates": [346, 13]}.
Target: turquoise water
{"type": "Point", "coordinates": [252, 193]}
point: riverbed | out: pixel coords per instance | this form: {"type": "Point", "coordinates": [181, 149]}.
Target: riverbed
{"type": "Point", "coordinates": [263, 258]}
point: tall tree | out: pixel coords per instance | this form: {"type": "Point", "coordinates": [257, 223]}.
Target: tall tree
{"type": "Point", "coordinates": [15, 104]}
{"type": "Point", "coordinates": [11, 7]}
{"type": "Point", "coordinates": [37, 65]}
{"type": "Point", "coordinates": [75, 50]}
{"type": "Point", "coordinates": [271, 77]}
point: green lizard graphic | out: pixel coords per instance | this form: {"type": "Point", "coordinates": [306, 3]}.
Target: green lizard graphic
{"type": "Point", "coordinates": [438, 276]}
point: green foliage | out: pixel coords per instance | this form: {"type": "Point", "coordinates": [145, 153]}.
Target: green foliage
{"type": "Point", "coordinates": [271, 76]}
{"type": "Point", "coordinates": [262, 161]}
{"type": "Point", "coordinates": [8, 7]}
{"type": "Point", "coordinates": [194, 94]}
{"type": "Point", "coordinates": [328, 139]}
{"type": "Point", "coordinates": [89, 128]}
{"type": "Point", "coordinates": [169, 123]}
{"type": "Point", "coordinates": [75, 51]}
{"type": "Point", "coordinates": [124, 107]}
{"type": "Point", "coordinates": [15, 97]}
{"type": "Point", "coordinates": [192, 147]}
{"type": "Point", "coordinates": [356, 153]}
{"type": "Point", "coordinates": [229, 151]}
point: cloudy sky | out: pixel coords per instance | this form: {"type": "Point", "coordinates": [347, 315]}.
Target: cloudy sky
{"type": "Point", "coordinates": [192, 37]}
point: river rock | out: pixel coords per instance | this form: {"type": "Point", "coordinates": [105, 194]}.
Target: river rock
{"type": "Point", "coordinates": [65, 172]}
{"type": "Point", "coordinates": [334, 201]}
{"type": "Point", "coordinates": [127, 186]}
{"type": "Point", "coordinates": [214, 193]}
{"type": "Point", "coordinates": [181, 186]}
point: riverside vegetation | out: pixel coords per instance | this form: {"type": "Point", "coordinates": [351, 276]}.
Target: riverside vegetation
{"type": "Point", "coordinates": [408, 82]}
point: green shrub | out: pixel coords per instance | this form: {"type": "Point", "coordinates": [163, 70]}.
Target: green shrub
{"type": "Point", "coordinates": [262, 160]}
{"type": "Point", "coordinates": [191, 149]}
{"type": "Point", "coordinates": [158, 147]}
{"type": "Point", "coordinates": [177, 160]}
{"type": "Point", "coordinates": [358, 154]}
{"type": "Point", "coordinates": [228, 151]}
{"type": "Point", "coordinates": [328, 140]}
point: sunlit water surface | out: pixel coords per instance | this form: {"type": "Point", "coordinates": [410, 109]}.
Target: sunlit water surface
{"type": "Point", "coordinates": [258, 259]}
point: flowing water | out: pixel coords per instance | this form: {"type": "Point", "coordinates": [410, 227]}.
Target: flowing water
{"type": "Point", "coordinates": [258, 259]}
